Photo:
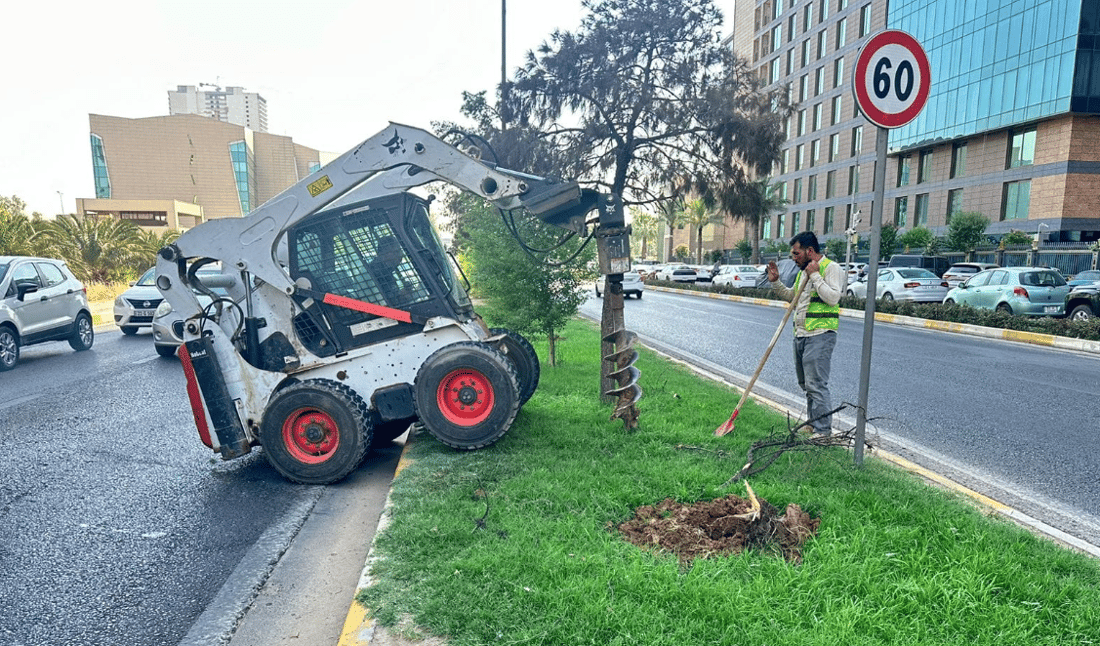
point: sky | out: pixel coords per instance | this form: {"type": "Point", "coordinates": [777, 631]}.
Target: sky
{"type": "Point", "coordinates": [333, 72]}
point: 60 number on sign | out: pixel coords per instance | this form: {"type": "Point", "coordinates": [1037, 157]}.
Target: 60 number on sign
{"type": "Point", "coordinates": [891, 79]}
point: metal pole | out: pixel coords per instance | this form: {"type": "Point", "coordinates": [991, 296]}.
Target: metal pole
{"type": "Point", "coordinates": [503, 66]}
{"type": "Point", "coordinates": [882, 139]}
{"type": "Point", "coordinates": [61, 198]}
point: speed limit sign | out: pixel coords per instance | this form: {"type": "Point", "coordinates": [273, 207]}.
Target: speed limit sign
{"type": "Point", "coordinates": [891, 79]}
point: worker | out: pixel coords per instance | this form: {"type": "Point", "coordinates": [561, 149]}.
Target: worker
{"type": "Point", "coordinates": [816, 318]}
{"type": "Point", "coordinates": [386, 271]}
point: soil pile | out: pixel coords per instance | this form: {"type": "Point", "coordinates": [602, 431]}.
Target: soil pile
{"type": "Point", "coordinates": [727, 525]}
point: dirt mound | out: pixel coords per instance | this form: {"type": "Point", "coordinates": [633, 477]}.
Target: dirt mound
{"type": "Point", "coordinates": [727, 525]}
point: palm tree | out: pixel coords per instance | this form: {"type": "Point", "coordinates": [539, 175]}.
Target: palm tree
{"type": "Point", "coordinates": [98, 251]}
{"type": "Point", "coordinates": [696, 213]}
{"type": "Point", "coordinates": [645, 226]}
{"type": "Point", "coordinates": [149, 244]}
{"type": "Point", "coordinates": [758, 201]}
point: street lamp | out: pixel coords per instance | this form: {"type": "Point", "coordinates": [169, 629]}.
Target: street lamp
{"type": "Point", "coordinates": [61, 198]}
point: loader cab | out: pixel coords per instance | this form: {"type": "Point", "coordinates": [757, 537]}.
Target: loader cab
{"type": "Point", "coordinates": [383, 251]}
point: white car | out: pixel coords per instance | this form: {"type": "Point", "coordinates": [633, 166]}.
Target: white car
{"type": "Point", "coordinates": [676, 274]}
{"type": "Point", "coordinates": [738, 276]}
{"type": "Point", "coordinates": [632, 284]}
{"type": "Point", "coordinates": [702, 274]}
{"type": "Point", "coordinates": [134, 307]}
{"type": "Point", "coordinates": [854, 270]}
{"type": "Point", "coordinates": [903, 284]}
{"type": "Point", "coordinates": [168, 326]}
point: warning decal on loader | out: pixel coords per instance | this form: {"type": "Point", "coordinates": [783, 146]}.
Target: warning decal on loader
{"type": "Point", "coordinates": [320, 186]}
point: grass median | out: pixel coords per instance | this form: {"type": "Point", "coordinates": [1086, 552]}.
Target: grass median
{"type": "Point", "coordinates": [518, 543]}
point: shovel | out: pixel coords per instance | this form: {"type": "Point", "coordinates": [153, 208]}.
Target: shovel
{"type": "Point", "coordinates": [728, 425]}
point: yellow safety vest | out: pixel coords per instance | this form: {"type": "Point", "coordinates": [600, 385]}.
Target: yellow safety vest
{"type": "Point", "coordinates": [820, 315]}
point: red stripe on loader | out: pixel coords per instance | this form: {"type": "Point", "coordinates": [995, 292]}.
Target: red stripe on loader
{"type": "Point", "coordinates": [193, 394]}
{"type": "Point", "coordinates": [368, 308]}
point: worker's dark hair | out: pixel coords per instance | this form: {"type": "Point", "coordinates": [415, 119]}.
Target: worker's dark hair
{"type": "Point", "coordinates": [807, 240]}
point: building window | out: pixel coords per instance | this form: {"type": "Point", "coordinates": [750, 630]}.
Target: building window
{"type": "Point", "coordinates": [853, 179]}
{"type": "Point", "coordinates": [786, 162]}
{"type": "Point", "coordinates": [790, 28]}
{"type": "Point", "coordinates": [824, 11]}
{"type": "Point", "coordinates": [790, 62]}
{"type": "Point", "coordinates": [805, 52]}
{"type": "Point", "coordinates": [239, 154]}
{"type": "Point", "coordinates": [819, 80]}
{"type": "Point", "coordinates": [817, 117]}
{"type": "Point", "coordinates": [821, 45]}
{"type": "Point", "coordinates": [774, 66]}
{"type": "Point", "coordinates": [841, 33]}
{"type": "Point", "coordinates": [1022, 150]}
{"type": "Point", "coordinates": [1016, 201]}
{"type": "Point", "coordinates": [920, 213]}
{"type": "Point", "coordinates": [766, 229]}
{"type": "Point", "coordinates": [834, 147]}
{"type": "Point", "coordinates": [958, 160]}
{"type": "Point", "coordinates": [903, 170]}
{"type": "Point", "coordinates": [807, 17]}
{"type": "Point", "coordinates": [924, 167]}
{"type": "Point", "coordinates": [830, 184]}
{"type": "Point", "coordinates": [777, 37]}
{"type": "Point", "coordinates": [828, 223]}
{"type": "Point", "coordinates": [838, 107]}
{"type": "Point", "coordinates": [857, 140]}
{"type": "Point", "coordinates": [797, 191]}
{"type": "Point", "coordinates": [801, 122]}
{"type": "Point", "coordinates": [796, 222]}
{"type": "Point", "coordinates": [954, 203]}
{"type": "Point", "coordinates": [838, 71]}
{"type": "Point", "coordinates": [848, 218]}
{"type": "Point", "coordinates": [843, 4]}
{"type": "Point", "coordinates": [810, 217]}
{"type": "Point", "coordinates": [811, 188]}
{"type": "Point", "coordinates": [815, 152]}
{"type": "Point", "coordinates": [864, 20]}
{"type": "Point", "coordinates": [803, 84]}
{"type": "Point", "coordinates": [99, 169]}
{"type": "Point", "coordinates": [782, 233]}
{"type": "Point", "coordinates": [901, 209]}
{"type": "Point", "coordinates": [799, 156]}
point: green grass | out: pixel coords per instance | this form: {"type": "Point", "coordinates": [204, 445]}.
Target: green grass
{"type": "Point", "coordinates": [895, 561]}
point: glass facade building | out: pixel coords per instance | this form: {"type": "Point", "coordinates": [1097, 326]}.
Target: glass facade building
{"type": "Point", "coordinates": [243, 163]}
{"type": "Point", "coordinates": [99, 169]}
{"type": "Point", "coordinates": [996, 63]}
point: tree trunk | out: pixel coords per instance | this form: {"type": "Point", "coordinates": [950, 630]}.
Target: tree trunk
{"type": "Point", "coordinates": [552, 339]}
{"type": "Point", "coordinates": [755, 241]}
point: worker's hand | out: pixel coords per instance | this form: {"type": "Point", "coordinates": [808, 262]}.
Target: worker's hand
{"type": "Point", "coordinates": [812, 267]}
{"type": "Point", "coordinates": [773, 271]}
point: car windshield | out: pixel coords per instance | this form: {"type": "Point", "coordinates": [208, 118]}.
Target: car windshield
{"type": "Point", "coordinates": [1042, 279]}
{"type": "Point", "coordinates": [963, 270]}
{"type": "Point", "coordinates": [148, 279]}
{"type": "Point", "coordinates": [915, 273]}
{"type": "Point", "coordinates": [3, 271]}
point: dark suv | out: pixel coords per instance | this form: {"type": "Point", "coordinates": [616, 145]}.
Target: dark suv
{"type": "Point", "coordinates": [40, 300]}
{"type": "Point", "coordinates": [935, 264]}
{"type": "Point", "coordinates": [1083, 302]}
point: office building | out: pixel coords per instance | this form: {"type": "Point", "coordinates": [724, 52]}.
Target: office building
{"type": "Point", "coordinates": [232, 105]}
{"type": "Point", "coordinates": [1010, 129]}
{"type": "Point", "coordinates": [188, 161]}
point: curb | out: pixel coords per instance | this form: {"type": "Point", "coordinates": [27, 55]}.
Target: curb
{"type": "Point", "coordinates": [358, 628]}
{"type": "Point", "coordinates": [1017, 336]}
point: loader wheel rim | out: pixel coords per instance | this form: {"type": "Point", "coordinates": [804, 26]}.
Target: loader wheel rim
{"type": "Point", "coordinates": [311, 436]}
{"type": "Point", "coordinates": [465, 397]}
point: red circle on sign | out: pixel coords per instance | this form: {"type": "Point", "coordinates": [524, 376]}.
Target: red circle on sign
{"type": "Point", "coordinates": [866, 102]}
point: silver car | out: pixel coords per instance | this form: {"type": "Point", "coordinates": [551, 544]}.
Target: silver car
{"type": "Point", "coordinates": [632, 284]}
{"type": "Point", "coordinates": [168, 326]}
{"type": "Point", "coordinates": [903, 284]}
{"type": "Point", "coordinates": [134, 307]}
{"type": "Point", "coordinates": [41, 300]}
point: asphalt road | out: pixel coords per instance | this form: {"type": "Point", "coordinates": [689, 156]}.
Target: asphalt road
{"type": "Point", "coordinates": [116, 525]}
{"type": "Point", "coordinates": [1014, 421]}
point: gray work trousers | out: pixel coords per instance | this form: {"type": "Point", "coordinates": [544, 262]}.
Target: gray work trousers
{"type": "Point", "coordinates": [813, 357]}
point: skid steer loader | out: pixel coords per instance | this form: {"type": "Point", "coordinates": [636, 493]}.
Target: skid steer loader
{"type": "Point", "coordinates": [345, 321]}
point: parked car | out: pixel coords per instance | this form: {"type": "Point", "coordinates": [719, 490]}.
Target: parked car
{"type": "Point", "coordinates": [676, 273]}
{"type": "Point", "coordinates": [738, 276]}
{"type": "Point", "coordinates": [134, 307]}
{"type": "Point", "coordinates": [1015, 290]}
{"type": "Point", "coordinates": [702, 273]}
{"type": "Point", "coordinates": [903, 284]}
{"type": "Point", "coordinates": [960, 271]}
{"type": "Point", "coordinates": [935, 264]}
{"type": "Point", "coordinates": [632, 284]}
{"type": "Point", "coordinates": [854, 270]}
{"type": "Point", "coordinates": [1085, 278]}
{"type": "Point", "coordinates": [1083, 302]}
{"type": "Point", "coordinates": [41, 300]}
{"type": "Point", "coordinates": [168, 327]}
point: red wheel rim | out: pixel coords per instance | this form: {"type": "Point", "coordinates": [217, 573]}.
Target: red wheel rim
{"type": "Point", "coordinates": [465, 397]}
{"type": "Point", "coordinates": [311, 436]}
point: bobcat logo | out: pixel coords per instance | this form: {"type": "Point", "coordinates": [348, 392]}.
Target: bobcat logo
{"type": "Point", "coordinates": [395, 143]}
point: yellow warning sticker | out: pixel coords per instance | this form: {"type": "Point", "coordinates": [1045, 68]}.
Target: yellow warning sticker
{"type": "Point", "coordinates": [320, 186]}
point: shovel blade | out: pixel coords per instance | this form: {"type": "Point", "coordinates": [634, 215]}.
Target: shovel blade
{"type": "Point", "coordinates": [727, 426]}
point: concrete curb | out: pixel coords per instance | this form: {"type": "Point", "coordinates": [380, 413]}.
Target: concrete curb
{"type": "Point", "coordinates": [359, 629]}
{"type": "Point", "coordinates": [1034, 338]}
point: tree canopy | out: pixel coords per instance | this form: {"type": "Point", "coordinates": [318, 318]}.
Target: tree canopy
{"type": "Point", "coordinates": [966, 230]}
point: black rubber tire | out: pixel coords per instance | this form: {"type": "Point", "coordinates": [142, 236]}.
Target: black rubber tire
{"type": "Point", "coordinates": [129, 330]}
{"type": "Point", "coordinates": [887, 296]}
{"type": "Point", "coordinates": [83, 333]}
{"type": "Point", "coordinates": [1082, 313]}
{"type": "Point", "coordinates": [467, 395]}
{"type": "Point", "coordinates": [598, 294]}
{"type": "Point", "coordinates": [525, 360]}
{"type": "Point", "coordinates": [9, 349]}
{"type": "Point", "coordinates": [1004, 307]}
{"type": "Point", "coordinates": [851, 294]}
{"type": "Point", "coordinates": [639, 295]}
{"type": "Point", "coordinates": [166, 351]}
{"type": "Point", "coordinates": [949, 301]}
{"type": "Point", "coordinates": [338, 417]}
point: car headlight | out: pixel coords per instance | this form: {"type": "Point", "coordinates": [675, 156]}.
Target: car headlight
{"type": "Point", "coordinates": [120, 301]}
{"type": "Point", "coordinates": [163, 309]}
